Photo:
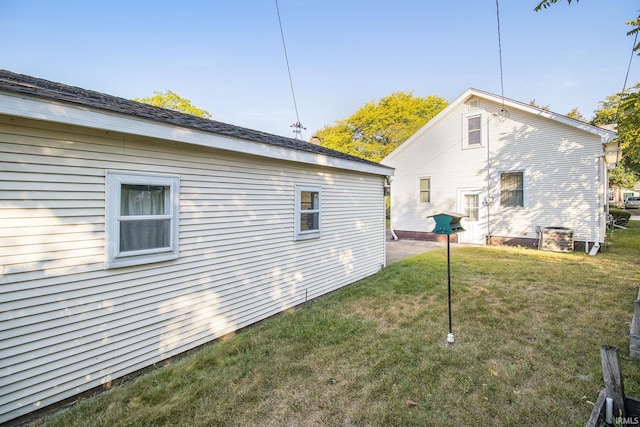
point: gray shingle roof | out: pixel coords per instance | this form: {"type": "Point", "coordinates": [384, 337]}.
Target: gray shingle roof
{"type": "Point", "coordinates": [28, 85]}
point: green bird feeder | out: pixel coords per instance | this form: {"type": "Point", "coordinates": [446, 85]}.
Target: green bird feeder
{"type": "Point", "coordinates": [448, 223]}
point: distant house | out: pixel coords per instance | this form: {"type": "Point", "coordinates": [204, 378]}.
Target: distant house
{"type": "Point", "coordinates": [130, 234]}
{"type": "Point", "coordinates": [511, 168]}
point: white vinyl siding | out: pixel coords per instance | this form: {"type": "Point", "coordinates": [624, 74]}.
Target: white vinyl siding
{"type": "Point", "coordinates": [561, 185]}
{"type": "Point", "coordinates": [307, 215]}
{"type": "Point", "coordinates": [473, 130]}
{"type": "Point", "coordinates": [142, 218]}
{"type": "Point", "coordinates": [68, 325]}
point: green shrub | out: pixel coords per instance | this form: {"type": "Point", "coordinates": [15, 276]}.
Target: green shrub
{"type": "Point", "coordinates": [620, 216]}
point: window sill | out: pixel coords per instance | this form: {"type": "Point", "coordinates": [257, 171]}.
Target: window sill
{"type": "Point", "coordinates": [129, 261]}
{"type": "Point", "coordinates": [472, 147]}
{"type": "Point", "coordinates": [307, 236]}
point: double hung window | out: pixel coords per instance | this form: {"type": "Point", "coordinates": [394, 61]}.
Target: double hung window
{"type": "Point", "coordinates": [425, 190]}
{"type": "Point", "coordinates": [512, 189]}
{"type": "Point", "coordinates": [473, 130]}
{"type": "Point", "coordinates": [142, 218]}
{"type": "Point", "coordinates": [307, 212]}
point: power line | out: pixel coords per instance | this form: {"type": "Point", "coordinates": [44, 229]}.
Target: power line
{"type": "Point", "coordinates": [635, 40]}
{"type": "Point", "coordinates": [297, 126]}
{"type": "Point", "coordinates": [626, 77]}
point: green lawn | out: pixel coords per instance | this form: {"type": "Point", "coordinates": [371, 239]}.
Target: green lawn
{"type": "Point", "coordinates": [528, 328]}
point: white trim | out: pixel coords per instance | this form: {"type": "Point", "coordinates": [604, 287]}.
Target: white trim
{"type": "Point", "coordinates": [60, 112]}
{"type": "Point", "coordinates": [465, 129]}
{"type": "Point", "coordinates": [525, 192]}
{"type": "Point", "coordinates": [475, 231]}
{"type": "Point", "coordinates": [419, 190]}
{"type": "Point", "coordinates": [605, 135]}
{"type": "Point", "coordinates": [113, 257]}
{"type": "Point", "coordinates": [307, 234]}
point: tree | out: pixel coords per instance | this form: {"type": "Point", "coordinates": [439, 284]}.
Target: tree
{"type": "Point", "coordinates": [576, 115]}
{"type": "Point", "coordinates": [542, 107]}
{"type": "Point", "coordinates": [628, 122]}
{"type": "Point", "coordinates": [635, 23]}
{"type": "Point", "coordinates": [376, 129]}
{"type": "Point", "coordinates": [608, 111]}
{"type": "Point", "coordinates": [172, 101]}
{"type": "Point", "coordinates": [621, 178]}
{"type": "Point", "coordinates": [622, 111]}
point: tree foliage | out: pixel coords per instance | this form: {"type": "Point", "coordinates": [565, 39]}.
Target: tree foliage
{"type": "Point", "coordinates": [635, 23]}
{"type": "Point", "coordinates": [376, 129]}
{"type": "Point", "coordinates": [621, 177]}
{"type": "Point", "coordinates": [629, 128]}
{"type": "Point", "coordinates": [172, 101]}
{"type": "Point", "coordinates": [542, 107]}
{"type": "Point", "coordinates": [547, 3]}
{"type": "Point", "coordinates": [576, 115]}
{"type": "Point", "coordinates": [607, 112]}
{"type": "Point", "coordinates": [622, 111]}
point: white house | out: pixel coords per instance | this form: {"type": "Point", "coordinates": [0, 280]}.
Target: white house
{"type": "Point", "coordinates": [130, 234]}
{"type": "Point", "coordinates": [512, 169]}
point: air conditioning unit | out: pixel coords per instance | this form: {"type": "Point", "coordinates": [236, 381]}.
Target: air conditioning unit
{"type": "Point", "coordinates": [556, 239]}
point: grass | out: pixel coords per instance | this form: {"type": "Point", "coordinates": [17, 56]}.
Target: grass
{"type": "Point", "coordinates": [528, 328]}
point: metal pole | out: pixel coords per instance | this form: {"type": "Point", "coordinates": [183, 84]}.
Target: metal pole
{"type": "Point", "coordinates": [450, 336]}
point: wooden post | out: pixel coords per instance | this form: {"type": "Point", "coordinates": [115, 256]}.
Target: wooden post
{"type": "Point", "coordinates": [598, 410]}
{"type": "Point", "coordinates": [613, 378]}
{"type": "Point", "coordinates": [634, 335]}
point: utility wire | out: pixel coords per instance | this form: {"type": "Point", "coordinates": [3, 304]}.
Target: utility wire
{"type": "Point", "coordinates": [626, 77]}
{"type": "Point", "coordinates": [297, 126]}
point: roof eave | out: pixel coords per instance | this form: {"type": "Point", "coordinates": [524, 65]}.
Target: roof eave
{"type": "Point", "coordinates": [606, 136]}
{"type": "Point", "coordinates": [31, 107]}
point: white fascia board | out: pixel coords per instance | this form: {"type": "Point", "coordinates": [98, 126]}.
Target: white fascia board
{"type": "Point", "coordinates": [431, 123]}
{"type": "Point", "coordinates": [605, 135]}
{"type": "Point", "coordinates": [78, 115]}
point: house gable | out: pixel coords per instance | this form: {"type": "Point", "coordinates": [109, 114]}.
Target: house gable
{"type": "Point", "coordinates": [528, 169]}
{"type": "Point", "coordinates": [505, 104]}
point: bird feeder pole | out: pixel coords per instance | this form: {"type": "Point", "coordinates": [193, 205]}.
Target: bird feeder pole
{"type": "Point", "coordinates": [448, 223]}
{"type": "Point", "coordinates": [450, 336]}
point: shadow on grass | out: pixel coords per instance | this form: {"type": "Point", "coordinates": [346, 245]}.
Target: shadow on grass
{"type": "Point", "coordinates": [528, 328]}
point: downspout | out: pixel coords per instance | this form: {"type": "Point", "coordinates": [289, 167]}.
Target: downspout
{"type": "Point", "coordinates": [388, 181]}
{"type": "Point", "coordinates": [596, 241]}
{"type": "Point", "coordinates": [393, 233]}
{"type": "Point", "coordinates": [488, 197]}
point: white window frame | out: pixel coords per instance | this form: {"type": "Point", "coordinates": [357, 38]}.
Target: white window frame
{"type": "Point", "coordinates": [476, 208]}
{"type": "Point", "coordinates": [524, 189]}
{"type": "Point", "coordinates": [298, 211]}
{"type": "Point", "coordinates": [465, 130]}
{"type": "Point", "coordinates": [114, 181]}
{"type": "Point", "coordinates": [419, 189]}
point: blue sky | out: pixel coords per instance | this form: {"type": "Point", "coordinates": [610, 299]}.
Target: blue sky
{"type": "Point", "coordinates": [227, 56]}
